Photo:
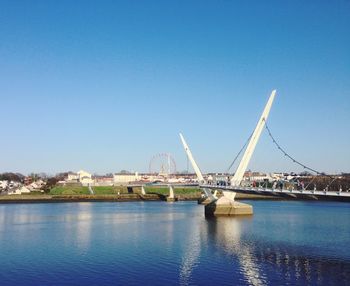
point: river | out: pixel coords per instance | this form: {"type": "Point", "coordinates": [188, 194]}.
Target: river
{"type": "Point", "coordinates": [159, 243]}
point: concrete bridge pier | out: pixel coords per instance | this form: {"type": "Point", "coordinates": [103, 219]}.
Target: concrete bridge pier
{"type": "Point", "coordinates": [171, 197]}
{"type": "Point", "coordinates": [143, 191]}
{"type": "Point", "coordinates": [227, 206]}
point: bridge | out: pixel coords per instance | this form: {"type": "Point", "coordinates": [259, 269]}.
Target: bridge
{"type": "Point", "coordinates": [226, 205]}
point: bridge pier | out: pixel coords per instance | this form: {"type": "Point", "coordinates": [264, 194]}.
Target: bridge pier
{"type": "Point", "coordinates": [143, 191]}
{"type": "Point", "coordinates": [227, 206]}
{"type": "Point", "coordinates": [171, 197]}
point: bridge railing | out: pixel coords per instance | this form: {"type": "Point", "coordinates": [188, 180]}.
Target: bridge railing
{"type": "Point", "coordinates": [246, 189]}
{"type": "Point", "coordinates": [309, 183]}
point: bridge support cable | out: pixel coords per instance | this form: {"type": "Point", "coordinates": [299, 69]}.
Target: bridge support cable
{"type": "Point", "coordinates": [296, 161]}
{"type": "Point", "coordinates": [238, 154]}
{"type": "Point", "coordinates": [289, 156]}
{"type": "Point", "coordinates": [313, 179]}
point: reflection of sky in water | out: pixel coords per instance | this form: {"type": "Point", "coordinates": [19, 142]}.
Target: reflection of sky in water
{"type": "Point", "coordinates": [158, 243]}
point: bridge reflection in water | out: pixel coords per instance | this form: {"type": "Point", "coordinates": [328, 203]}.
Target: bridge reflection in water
{"type": "Point", "coordinates": [227, 235]}
{"type": "Point", "coordinates": [257, 261]}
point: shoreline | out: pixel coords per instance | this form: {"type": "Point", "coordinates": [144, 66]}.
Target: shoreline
{"type": "Point", "coordinates": [8, 199]}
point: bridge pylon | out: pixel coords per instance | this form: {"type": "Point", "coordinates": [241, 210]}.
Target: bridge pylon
{"type": "Point", "coordinates": [227, 205]}
{"type": "Point", "coordinates": [242, 167]}
{"type": "Point", "coordinates": [208, 196]}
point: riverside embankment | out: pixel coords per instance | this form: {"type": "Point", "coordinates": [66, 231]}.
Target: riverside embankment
{"type": "Point", "coordinates": [112, 198]}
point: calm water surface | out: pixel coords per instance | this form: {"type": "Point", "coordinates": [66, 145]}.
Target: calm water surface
{"type": "Point", "coordinates": [158, 243]}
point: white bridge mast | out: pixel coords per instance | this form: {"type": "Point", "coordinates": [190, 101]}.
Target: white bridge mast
{"type": "Point", "coordinates": [242, 167]}
{"type": "Point", "coordinates": [196, 169]}
{"type": "Point", "coordinates": [193, 162]}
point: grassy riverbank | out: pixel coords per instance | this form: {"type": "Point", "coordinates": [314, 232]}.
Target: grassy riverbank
{"type": "Point", "coordinates": [80, 190]}
{"type": "Point", "coordinates": [115, 194]}
{"type": "Point", "coordinates": [102, 193]}
{"type": "Point", "coordinates": [115, 190]}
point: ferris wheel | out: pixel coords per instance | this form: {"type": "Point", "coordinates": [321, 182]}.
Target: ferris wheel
{"type": "Point", "coordinates": [162, 164]}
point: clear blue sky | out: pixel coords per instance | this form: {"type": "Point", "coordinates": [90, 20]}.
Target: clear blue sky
{"type": "Point", "coordinates": [105, 85]}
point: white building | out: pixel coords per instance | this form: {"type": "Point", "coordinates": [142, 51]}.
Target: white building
{"type": "Point", "coordinates": [85, 178]}
{"type": "Point", "coordinates": [3, 185]}
{"type": "Point", "coordinates": [19, 191]}
{"type": "Point", "coordinates": [24, 190]}
{"type": "Point", "coordinates": [125, 178]}
{"type": "Point", "coordinates": [15, 191]}
{"type": "Point", "coordinates": [256, 176]}
{"type": "Point", "coordinates": [72, 177]}
{"type": "Point", "coordinates": [36, 186]}
{"type": "Point", "coordinates": [82, 177]}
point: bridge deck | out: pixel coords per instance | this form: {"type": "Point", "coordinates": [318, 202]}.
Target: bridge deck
{"type": "Point", "coordinates": [278, 191]}
{"type": "Point", "coordinates": [259, 190]}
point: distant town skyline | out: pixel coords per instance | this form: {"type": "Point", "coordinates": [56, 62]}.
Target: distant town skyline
{"type": "Point", "coordinates": [105, 86]}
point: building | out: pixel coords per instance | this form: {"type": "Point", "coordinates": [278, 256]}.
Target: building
{"type": "Point", "coordinates": [125, 178]}
{"type": "Point", "coordinates": [256, 177]}
{"type": "Point", "coordinates": [36, 186]}
{"type": "Point", "coordinates": [3, 185]}
{"type": "Point", "coordinates": [103, 181]}
{"type": "Point", "coordinates": [24, 190]}
{"type": "Point", "coordinates": [85, 178]}
{"type": "Point", "coordinates": [72, 177]}
{"type": "Point", "coordinates": [28, 180]}
{"type": "Point", "coordinates": [19, 191]}
{"type": "Point", "coordinates": [81, 177]}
